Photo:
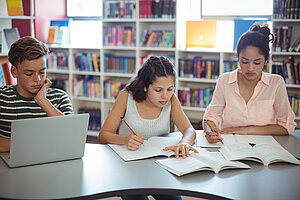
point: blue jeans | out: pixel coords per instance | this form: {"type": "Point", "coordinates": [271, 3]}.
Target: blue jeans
{"type": "Point", "coordinates": [155, 196]}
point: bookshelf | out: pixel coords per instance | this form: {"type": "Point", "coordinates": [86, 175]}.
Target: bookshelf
{"type": "Point", "coordinates": [128, 45]}
{"type": "Point", "coordinates": [285, 55]}
{"type": "Point", "coordinates": [6, 22]}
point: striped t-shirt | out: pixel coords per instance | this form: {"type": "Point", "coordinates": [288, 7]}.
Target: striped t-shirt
{"type": "Point", "coordinates": [13, 106]}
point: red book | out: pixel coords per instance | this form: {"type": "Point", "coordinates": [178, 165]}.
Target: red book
{"type": "Point", "coordinates": [10, 80]}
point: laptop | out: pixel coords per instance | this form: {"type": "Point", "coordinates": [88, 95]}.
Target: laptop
{"type": "Point", "coordinates": [47, 139]}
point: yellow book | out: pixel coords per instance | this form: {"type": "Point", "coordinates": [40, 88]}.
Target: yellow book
{"type": "Point", "coordinates": [52, 34]}
{"type": "Point", "coordinates": [14, 7]}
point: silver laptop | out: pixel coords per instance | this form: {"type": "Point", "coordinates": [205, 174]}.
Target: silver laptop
{"type": "Point", "coordinates": [47, 139]}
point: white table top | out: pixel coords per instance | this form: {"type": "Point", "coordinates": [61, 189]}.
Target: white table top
{"type": "Point", "coordinates": [102, 173]}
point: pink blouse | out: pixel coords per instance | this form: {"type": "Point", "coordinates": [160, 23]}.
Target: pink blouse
{"type": "Point", "coordinates": [269, 103]}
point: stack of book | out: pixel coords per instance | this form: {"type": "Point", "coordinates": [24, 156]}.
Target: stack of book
{"type": "Point", "coordinates": [198, 68]}
{"type": "Point", "coordinates": [112, 88]}
{"type": "Point", "coordinates": [286, 9]}
{"type": "Point", "coordinates": [119, 64]}
{"type": "Point", "coordinates": [89, 62]}
{"type": "Point", "coordinates": [118, 36]}
{"type": "Point", "coordinates": [158, 38]}
{"type": "Point", "coordinates": [165, 9]}
{"type": "Point", "coordinates": [119, 9]}
{"type": "Point", "coordinates": [195, 97]}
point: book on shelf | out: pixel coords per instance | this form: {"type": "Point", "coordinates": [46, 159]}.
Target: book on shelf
{"type": "Point", "coordinates": [150, 148]}
{"type": "Point", "coordinates": [9, 79]}
{"type": "Point", "coordinates": [262, 153]}
{"type": "Point", "coordinates": [59, 31]}
{"type": "Point", "coordinates": [204, 160]}
{"type": "Point", "coordinates": [11, 35]}
{"type": "Point", "coordinates": [95, 118]}
{"type": "Point", "coordinates": [165, 9]}
{"type": "Point", "coordinates": [52, 33]}
{"type": "Point", "coordinates": [195, 97]}
{"type": "Point", "coordinates": [286, 9]}
{"type": "Point", "coordinates": [295, 104]}
{"type": "Point", "coordinates": [14, 7]}
{"type": "Point", "coordinates": [119, 9]}
{"type": "Point", "coordinates": [3, 8]}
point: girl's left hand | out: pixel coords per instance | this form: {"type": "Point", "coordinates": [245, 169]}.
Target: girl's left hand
{"type": "Point", "coordinates": [184, 148]}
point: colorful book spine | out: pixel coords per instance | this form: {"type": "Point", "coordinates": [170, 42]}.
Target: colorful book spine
{"type": "Point", "coordinates": [157, 9]}
{"type": "Point", "coordinates": [195, 97]}
{"type": "Point", "coordinates": [95, 118]}
{"type": "Point", "coordinates": [198, 68]}
{"type": "Point", "coordinates": [112, 88]}
{"type": "Point", "coordinates": [119, 64]}
{"type": "Point", "coordinates": [119, 9]}
{"type": "Point", "coordinates": [119, 36]}
{"type": "Point", "coordinates": [158, 38]}
{"type": "Point", "coordinates": [86, 87]}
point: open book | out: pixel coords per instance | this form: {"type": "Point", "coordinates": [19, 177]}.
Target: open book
{"type": "Point", "coordinates": [263, 153]}
{"type": "Point", "coordinates": [152, 147]}
{"type": "Point", "coordinates": [204, 160]}
{"type": "Point", "coordinates": [233, 139]}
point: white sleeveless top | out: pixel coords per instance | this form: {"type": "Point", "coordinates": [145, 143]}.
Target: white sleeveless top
{"type": "Point", "coordinates": [147, 127]}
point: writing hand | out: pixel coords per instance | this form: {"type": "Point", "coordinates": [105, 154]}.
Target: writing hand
{"type": "Point", "coordinates": [184, 148]}
{"type": "Point", "coordinates": [134, 141]}
{"type": "Point", "coordinates": [214, 136]}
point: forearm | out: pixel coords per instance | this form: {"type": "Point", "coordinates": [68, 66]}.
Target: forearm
{"type": "Point", "coordinates": [48, 107]}
{"type": "Point", "coordinates": [106, 137]}
{"type": "Point", "coordinates": [272, 129]}
{"type": "Point", "coordinates": [189, 136]}
{"type": "Point", "coordinates": [4, 144]}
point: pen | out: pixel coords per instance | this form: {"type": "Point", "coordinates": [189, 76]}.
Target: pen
{"type": "Point", "coordinates": [208, 129]}
{"type": "Point", "coordinates": [127, 125]}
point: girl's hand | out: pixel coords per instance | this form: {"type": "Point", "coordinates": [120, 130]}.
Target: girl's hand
{"type": "Point", "coordinates": [214, 136]}
{"type": "Point", "coordinates": [184, 148]}
{"type": "Point", "coordinates": [134, 141]}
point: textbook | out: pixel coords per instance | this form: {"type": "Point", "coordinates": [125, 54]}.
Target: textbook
{"type": "Point", "coordinates": [204, 160]}
{"type": "Point", "coordinates": [150, 148]}
{"type": "Point", "coordinates": [262, 153]}
{"type": "Point", "coordinates": [201, 141]}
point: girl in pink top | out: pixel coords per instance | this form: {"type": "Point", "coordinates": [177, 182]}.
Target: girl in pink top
{"type": "Point", "coordinates": [248, 100]}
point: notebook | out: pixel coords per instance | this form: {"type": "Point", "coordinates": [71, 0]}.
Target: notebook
{"type": "Point", "coordinates": [47, 139]}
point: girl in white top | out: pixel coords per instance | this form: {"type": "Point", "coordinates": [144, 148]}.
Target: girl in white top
{"type": "Point", "coordinates": [148, 104]}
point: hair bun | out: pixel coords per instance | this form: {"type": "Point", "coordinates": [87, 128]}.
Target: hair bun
{"type": "Point", "coordinates": [264, 29]}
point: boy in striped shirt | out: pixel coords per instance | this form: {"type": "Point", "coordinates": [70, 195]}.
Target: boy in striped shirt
{"type": "Point", "coordinates": [32, 96]}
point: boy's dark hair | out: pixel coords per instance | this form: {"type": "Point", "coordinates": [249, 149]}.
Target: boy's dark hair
{"type": "Point", "coordinates": [257, 36]}
{"type": "Point", "coordinates": [26, 48]}
{"type": "Point", "coordinates": [155, 66]}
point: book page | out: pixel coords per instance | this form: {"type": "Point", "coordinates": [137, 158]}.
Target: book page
{"type": "Point", "coordinates": [240, 151]}
{"type": "Point", "coordinates": [234, 138]}
{"type": "Point", "coordinates": [217, 161]}
{"type": "Point", "coordinates": [274, 153]}
{"type": "Point", "coordinates": [152, 147]}
{"type": "Point", "coordinates": [182, 166]}
{"type": "Point", "coordinates": [256, 139]}
{"type": "Point", "coordinates": [204, 160]}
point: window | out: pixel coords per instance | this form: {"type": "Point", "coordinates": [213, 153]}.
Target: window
{"type": "Point", "coordinates": [237, 8]}
{"type": "Point", "coordinates": [86, 25]}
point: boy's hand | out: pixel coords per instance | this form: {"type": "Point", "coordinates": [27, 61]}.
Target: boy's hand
{"type": "Point", "coordinates": [41, 95]}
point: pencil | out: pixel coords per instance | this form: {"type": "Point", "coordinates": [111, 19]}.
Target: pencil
{"type": "Point", "coordinates": [127, 125]}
